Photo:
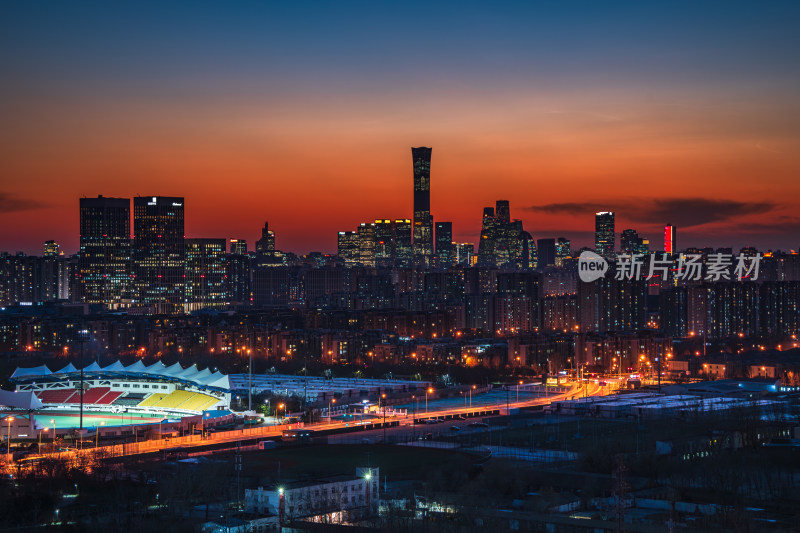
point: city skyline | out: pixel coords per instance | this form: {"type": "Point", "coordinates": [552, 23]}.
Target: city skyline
{"type": "Point", "coordinates": [290, 117]}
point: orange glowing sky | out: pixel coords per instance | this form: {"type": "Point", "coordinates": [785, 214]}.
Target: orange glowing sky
{"type": "Point", "coordinates": [311, 128]}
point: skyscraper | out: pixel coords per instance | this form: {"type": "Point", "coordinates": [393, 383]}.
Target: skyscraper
{"type": "Point", "coordinates": [423, 221]}
{"type": "Point", "coordinates": [384, 243]}
{"type": "Point", "coordinates": [444, 243]}
{"type": "Point", "coordinates": [238, 246]}
{"type": "Point", "coordinates": [546, 253]}
{"type": "Point", "coordinates": [104, 267]}
{"type": "Point", "coordinates": [502, 211]}
{"type": "Point", "coordinates": [267, 241]}
{"type": "Point", "coordinates": [670, 234]}
{"type": "Point", "coordinates": [403, 242]}
{"type": "Point", "coordinates": [366, 244]}
{"type": "Point", "coordinates": [205, 273]}
{"type": "Point", "coordinates": [604, 238]}
{"type": "Point", "coordinates": [159, 252]}
{"type": "Point", "coordinates": [51, 249]}
{"type": "Point", "coordinates": [348, 246]}
{"type": "Point", "coordinates": [563, 250]}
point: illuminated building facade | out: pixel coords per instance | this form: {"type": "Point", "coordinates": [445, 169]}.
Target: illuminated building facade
{"type": "Point", "coordinates": [563, 251]}
{"type": "Point", "coordinates": [205, 273]}
{"type": "Point", "coordinates": [51, 249]}
{"type": "Point", "coordinates": [266, 243]}
{"type": "Point", "coordinates": [444, 244]}
{"type": "Point", "coordinates": [238, 246]}
{"type": "Point", "coordinates": [104, 269]}
{"type": "Point", "coordinates": [604, 237]}
{"type": "Point", "coordinates": [348, 247]}
{"type": "Point", "coordinates": [366, 244]}
{"type": "Point", "coordinates": [423, 221]}
{"type": "Point", "coordinates": [159, 252]}
{"type": "Point", "coordinates": [403, 242]}
{"type": "Point", "coordinates": [670, 234]}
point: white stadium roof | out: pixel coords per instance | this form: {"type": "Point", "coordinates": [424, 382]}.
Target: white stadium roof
{"type": "Point", "coordinates": [19, 400]}
{"type": "Point", "coordinates": [175, 372]}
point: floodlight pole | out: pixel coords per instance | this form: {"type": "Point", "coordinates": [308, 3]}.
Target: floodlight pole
{"type": "Point", "coordinates": [82, 343]}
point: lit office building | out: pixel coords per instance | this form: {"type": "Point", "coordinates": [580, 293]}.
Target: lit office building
{"type": "Point", "coordinates": [159, 252]}
{"type": "Point", "coordinates": [205, 273]}
{"type": "Point", "coordinates": [423, 221]}
{"type": "Point", "coordinates": [348, 247]}
{"type": "Point", "coordinates": [444, 244]}
{"type": "Point", "coordinates": [604, 237]}
{"type": "Point", "coordinates": [238, 246]}
{"type": "Point", "coordinates": [104, 268]}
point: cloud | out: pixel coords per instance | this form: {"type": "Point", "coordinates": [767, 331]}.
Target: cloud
{"type": "Point", "coordinates": [11, 204]}
{"type": "Point", "coordinates": [683, 212]}
{"type": "Point", "coordinates": [568, 207]}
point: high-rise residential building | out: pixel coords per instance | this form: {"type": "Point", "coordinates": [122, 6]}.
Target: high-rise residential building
{"type": "Point", "coordinates": [604, 237]}
{"type": "Point", "coordinates": [670, 235]}
{"type": "Point", "coordinates": [423, 221]}
{"type": "Point", "coordinates": [403, 243]}
{"type": "Point", "coordinates": [563, 251]}
{"type": "Point", "coordinates": [104, 268]}
{"type": "Point", "coordinates": [205, 273]}
{"type": "Point", "coordinates": [444, 244]}
{"type": "Point", "coordinates": [159, 252]}
{"type": "Point", "coordinates": [266, 243]}
{"type": "Point", "coordinates": [238, 246]}
{"type": "Point", "coordinates": [51, 249]}
{"type": "Point", "coordinates": [546, 253]}
{"type": "Point", "coordinates": [348, 247]}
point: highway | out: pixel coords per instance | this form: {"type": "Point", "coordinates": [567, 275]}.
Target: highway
{"type": "Point", "coordinates": [403, 423]}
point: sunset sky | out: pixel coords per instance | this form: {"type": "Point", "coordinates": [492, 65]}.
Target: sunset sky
{"type": "Point", "coordinates": [304, 113]}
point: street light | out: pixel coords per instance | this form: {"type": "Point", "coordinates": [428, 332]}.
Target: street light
{"type": "Point", "coordinates": [518, 384]}
{"type": "Point", "coordinates": [205, 415]}
{"type": "Point", "coordinates": [333, 400]}
{"type": "Point", "coordinates": [470, 394]}
{"type": "Point", "coordinates": [97, 434]}
{"type": "Point", "coordinates": [250, 381]}
{"type": "Point", "coordinates": [43, 430]}
{"type": "Point", "coordinates": [429, 391]}
{"type": "Point", "coordinates": [384, 415]}
{"type": "Point", "coordinates": [53, 421]}
{"type": "Point", "coordinates": [9, 419]}
{"type": "Point", "coordinates": [282, 406]}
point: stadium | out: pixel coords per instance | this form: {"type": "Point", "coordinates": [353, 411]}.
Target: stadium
{"type": "Point", "coordinates": [115, 397]}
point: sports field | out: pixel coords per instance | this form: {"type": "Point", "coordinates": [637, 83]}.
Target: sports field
{"type": "Point", "coordinates": [70, 419]}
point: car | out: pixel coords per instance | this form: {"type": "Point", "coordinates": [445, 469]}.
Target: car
{"type": "Point", "coordinates": [432, 421]}
{"type": "Point", "coordinates": [455, 428]}
{"type": "Point", "coordinates": [478, 425]}
{"type": "Point", "coordinates": [462, 417]}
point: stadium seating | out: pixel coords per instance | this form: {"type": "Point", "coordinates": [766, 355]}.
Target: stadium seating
{"type": "Point", "coordinates": [151, 400]}
{"type": "Point", "coordinates": [93, 395]}
{"type": "Point", "coordinates": [199, 402]}
{"type": "Point", "coordinates": [109, 398]}
{"type": "Point", "coordinates": [59, 396]}
{"type": "Point", "coordinates": [174, 399]}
